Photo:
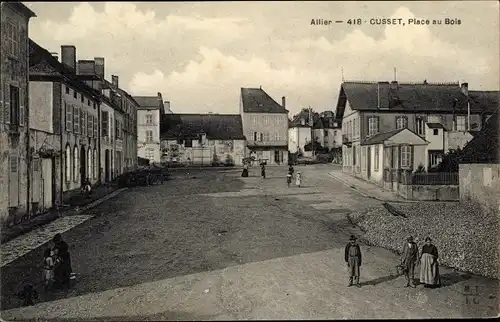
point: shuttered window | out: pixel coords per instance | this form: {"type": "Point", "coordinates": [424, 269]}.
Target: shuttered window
{"type": "Point", "coordinates": [401, 122]}
{"type": "Point", "coordinates": [96, 127]}
{"type": "Point", "coordinates": [104, 123]}
{"type": "Point", "coordinates": [90, 125]}
{"type": "Point", "coordinates": [22, 115]}
{"type": "Point", "coordinates": [6, 104]}
{"type": "Point", "coordinates": [406, 159]}
{"type": "Point", "coordinates": [83, 119]}
{"type": "Point", "coordinates": [69, 117]}
{"type": "Point", "coordinates": [76, 118]}
{"type": "Point", "coordinates": [373, 127]}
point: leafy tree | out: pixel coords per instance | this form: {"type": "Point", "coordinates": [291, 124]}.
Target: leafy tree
{"type": "Point", "coordinates": [229, 160]}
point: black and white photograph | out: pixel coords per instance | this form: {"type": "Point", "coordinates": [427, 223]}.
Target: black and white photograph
{"type": "Point", "coordinates": [249, 160]}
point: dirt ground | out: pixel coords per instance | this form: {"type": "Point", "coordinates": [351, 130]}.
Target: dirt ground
{"type": "Point", "coordinates": [213, 245]}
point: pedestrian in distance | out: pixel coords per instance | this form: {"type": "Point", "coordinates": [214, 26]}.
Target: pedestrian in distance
{"type": "Point", "coordinates": [63, 270]}
{"type": "Point", "coordinates": [429, 268]}
{"type": "Point", "coordinates": [353, 260]}
{"type": "Point", "coordinates": [298, 179]}
{"type": "Point", "coordinates": [244, 173]}
{"type": "Point", "coordinates": [409, 259]}
{"type": "Point", "coordinates": [263, 170]}
{"type": "Point", "coordinates": [289, 175]}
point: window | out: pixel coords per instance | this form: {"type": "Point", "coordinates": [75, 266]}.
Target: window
{"type": "Point", "coordinates": [355, 128]}
{"type": "Point", "coordinates": [460, 123]}
{"type": "Point", "coordinates": [335, 133]}
{"type": "Point", "coordinates": [67, 90]}
{"type": "Point", "coordinates": [261, 138]}
{"type": "Point", "coordinates": [82, 98]}
{"type": "Point", "coordinates": [372, 125]}
{"type": "Point", "coordinates": [434, 119]}
{"type": "Point", "coordinates": [76, 119]}
{"type": "Point", "coordinates": [266, 120]}
{"type": "Point", "coordinates": [255, 136]}
{"type": "Point", "coordinates": [377, 159]}
{"type": "Point", "coordinates": [104, 123]}
{"type": "Point", "coordinates": [67, 162]}
{"type": "Point", "coordinates": [254, 120]}
{"type": "Point", "coordinates": [75, 94]}
{"type": "Point", "coordinates": [435, 131]}
{"type": "Point", "coordinates": [13, 33]}
{"type": "Point", "coordinates": [188, 143]}
{"type": "Point", "coordinates": [277, 136]}
{"type": "Point", "coordinates": [420, 126]}
{"type": "Point", "coordinates": [435, 159]}
{"type": "Point", "coordinates": [325, 132]}
{"type": "Point", "coordinates": [406, 156]}
{"type": "Point", "coordinates": [95, 105]}
{"type": "Point", "coordinates": [69, 117]}
{"type": "Point", "coordinates": [149, 118]}
{"type": "Point", "coordinates": [90, 125]}
{"type": "Point", "coordinates": [150, 154]}
{"type": "Point", "coordinates": [96, 131]}
{"type": "Point", "coordinates": [75, 163]}
{"type": "Point", "coordinates": [83, 118]}
{"type": "Point", "coordinates": [354, 154]}
{"type": "Point", "coordinates": [266, 136]}
{"type": "Point", "coordinates": [401, 122]}
{"type": "Point", "coordinates": [149, 136]}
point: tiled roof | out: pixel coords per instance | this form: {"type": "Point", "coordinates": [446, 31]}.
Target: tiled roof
{"type": "Point", "coordinates": [487, 101]}
{"type": "Point", "coordinates": [405, 97]}
{"type": "Point", "coordinates": [42, 65]}
{"type": "Point", "coordinates": [148, 102]}
{"type": "Point", "coordinates": [381, 137]}
{"type": "Point", "coordinates": [483, 148]}
{"type": "Point", "coordinates": [215, 126]}
{"type": "Point", "coordinates": [435, 126]}
{"type": "Point", "coordinates": [255, 100]}
{"type": "Point", "coordinates": [326, 123]}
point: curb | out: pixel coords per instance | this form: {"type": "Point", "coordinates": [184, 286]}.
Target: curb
{"type": "Point", "coordinates": [353, 187]}
{"type": "Point", "coordinates": [56, 215]}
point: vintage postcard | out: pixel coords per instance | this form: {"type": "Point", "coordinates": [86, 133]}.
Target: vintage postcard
{"type": "Point", "coordinates": [249, 160]}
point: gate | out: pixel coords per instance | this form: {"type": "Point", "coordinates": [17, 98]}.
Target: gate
{"type": "Point", "coordinates": [202, 155]}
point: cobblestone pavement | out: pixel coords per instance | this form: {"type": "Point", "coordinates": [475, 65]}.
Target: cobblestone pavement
{"type": "Point", "coordinates": [213, 245]}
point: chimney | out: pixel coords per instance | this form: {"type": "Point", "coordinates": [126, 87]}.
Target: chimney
{"type": "Point", "coordinates": [99, 66]}
{"type": "Point", "coordinates": [283, 102]}
{"type": "Point", "coordinates": [114, 80]}
{"type": "Point", "coordinates": [55, 55]}
{"type": "Point", "coordinates": [260, 86]}
{"type": "Point", "coordinates": [166, 104]}
{"type": "Point", "coordinates": [394, 85]}
{"type": "Point", "coordinates": [68, 56]}
{"type": "Point", "coordinates": [465, 88]}
{"type": "Point", "coordinates": [302, 121]}
{"type": "Point", "coordinates": [86, 67]}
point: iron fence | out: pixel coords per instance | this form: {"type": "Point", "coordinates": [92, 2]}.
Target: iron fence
{"type": "Point", "coordinates": [437, 178]}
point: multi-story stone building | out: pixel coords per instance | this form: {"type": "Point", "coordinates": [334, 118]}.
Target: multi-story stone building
{"type": "Point", "coordinates": [15, 156]}
{"type": "Point", "coordinates": [328, 132]}
{"type": "Point", "coordinates": [388, 127]}
{"type": "Point", "coordinates": [149, 114]}
{"type": "Point", "coordinates": [265, 126]}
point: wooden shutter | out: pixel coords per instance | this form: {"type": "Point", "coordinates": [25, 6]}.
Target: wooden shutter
{"type": "Point", "coordinates": [96, 127]}
{"type": "Point", "coordinates": [69, 117]}
{"type": "Point", "coordinates": [6, 103]}
{"type": "Point", "coordinates": [405, 121]}
{"type": "Point", "coordinates": [83, 117]}
{"type": "Point", "coordinates": [22, 120]}
{"type": "Point", "coordinates": [410, 159]}
{"type": "Point", "coordinates": [76, 119]}
{"type": "Point", "coordinates": [104, 123]}
{"type": "Point", "coordinates": [377, 121]}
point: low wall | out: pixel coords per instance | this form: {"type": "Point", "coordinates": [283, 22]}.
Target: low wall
{"type": "Point", "coordinates": [429, 192]}
{"type": "Point", "coordinates": [481, 183]}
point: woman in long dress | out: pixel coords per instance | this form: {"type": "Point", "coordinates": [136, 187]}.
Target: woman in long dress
{"type": "Point", "coordinates": [429, 267]}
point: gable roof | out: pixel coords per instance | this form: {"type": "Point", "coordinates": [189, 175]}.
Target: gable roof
{"type": "Point", "coordinates": [148, 102]}
{"type": "Point", "coordinates": [435, 126]}
{"type": "Point", "coordinates": [484, 146]}
{"type": "Point", "coordinates": [44, 66]}
{"type": "Point", "coordinates": [404, 97]}
{"type": "Point", "coordinates": [380, 138]}
{"type": "Point", "coordinates": [255, 100]}
{"type": "Point", "coordinates": [215, 126]}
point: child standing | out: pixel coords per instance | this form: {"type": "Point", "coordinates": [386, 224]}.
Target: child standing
{"type": "Point", "coordinates": [298, 179]}
{"type": "Point", "coordinates": [48, 268]}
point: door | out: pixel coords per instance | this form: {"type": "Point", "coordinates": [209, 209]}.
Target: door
{"type": "Point", "coordinates": [47, 183]}
{"type": "Point", "coordinates": [368, 162]}
{"type": "Point", "coordinates": [106, 166]}
{"type": "Point", "coordinates": [277, 157]}
{"type": "Point", "coordinates": [83, 165]}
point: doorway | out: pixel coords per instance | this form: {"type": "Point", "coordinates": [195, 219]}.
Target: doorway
{"type": "Point", "coordinates": [83, 165]}
{"type": "Point", "coordinates": [107, 162]}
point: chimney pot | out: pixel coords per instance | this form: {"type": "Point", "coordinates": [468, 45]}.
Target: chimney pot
{"type": "Point", "coordinates": [394, 85]}
{"type": "Point", "coordinates": [465, 88]}
{"type": "Point", "coordinates": [114, 80]}
{"type": "Point", "coordinates": [283, 102]}
{"type": "Point", "coordinates": [68, 56]}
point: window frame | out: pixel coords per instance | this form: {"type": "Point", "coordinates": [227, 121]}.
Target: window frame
{"type": "Point", "coordinates": [375, 125]}
{"type": "Point", "coordinates": [406, 151]}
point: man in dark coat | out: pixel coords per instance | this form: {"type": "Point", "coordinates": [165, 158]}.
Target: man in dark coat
{"type": "Point", "coordinates": [353, 260]}
{"type": "Point", "coordinates": [62, 273]}
{"type": "Point", "coordinates": [409, 259]}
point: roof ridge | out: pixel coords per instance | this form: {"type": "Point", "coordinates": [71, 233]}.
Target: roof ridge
{"type": "Point", "coordinates": [402, 83]}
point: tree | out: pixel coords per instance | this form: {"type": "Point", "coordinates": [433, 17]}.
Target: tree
{"type": "Point", "coordinates": [317, 147]}
{"type": "Point", "coordinates": [304, 113]}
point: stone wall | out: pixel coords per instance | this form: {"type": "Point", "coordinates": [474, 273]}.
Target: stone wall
{"type": "Point", "coordinates": [481, 183]}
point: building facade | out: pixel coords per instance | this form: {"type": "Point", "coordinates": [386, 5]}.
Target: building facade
{"type": "Point", "coordinates": [149, 114]}
{"type": "Point", "coordinates": [203, 139]}
{"type": "Point", "coordinates": [265, 126]}
{"type": "Point", "coordinates": [328, 132]}
{"type": "Point", "coordinates": [15, 159]}
{"type": "Point", "coordinates": [299, 134]}
{"type": "Point", "coordinates": [371, 108]}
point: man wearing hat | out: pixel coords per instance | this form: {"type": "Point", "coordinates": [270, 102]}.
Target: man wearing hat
{"type": "Point", "coordinates": [409, 258]}
{"type": "Point", "coordinates": [353, 260]}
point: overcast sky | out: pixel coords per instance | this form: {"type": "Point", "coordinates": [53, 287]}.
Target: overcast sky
{"type": "Point", "coordinates": [199, 55]}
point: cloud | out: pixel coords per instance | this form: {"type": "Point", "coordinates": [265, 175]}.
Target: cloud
{"type": "Point", "coordinates": [200, 63]}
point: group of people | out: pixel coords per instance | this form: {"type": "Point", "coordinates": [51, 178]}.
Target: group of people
{"type": "Point", "coordinates": [289, 175]}
{"type": "Point", "coordinates": [410, 258]}
{"type": "Point", "coordinates": [57, 265]}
